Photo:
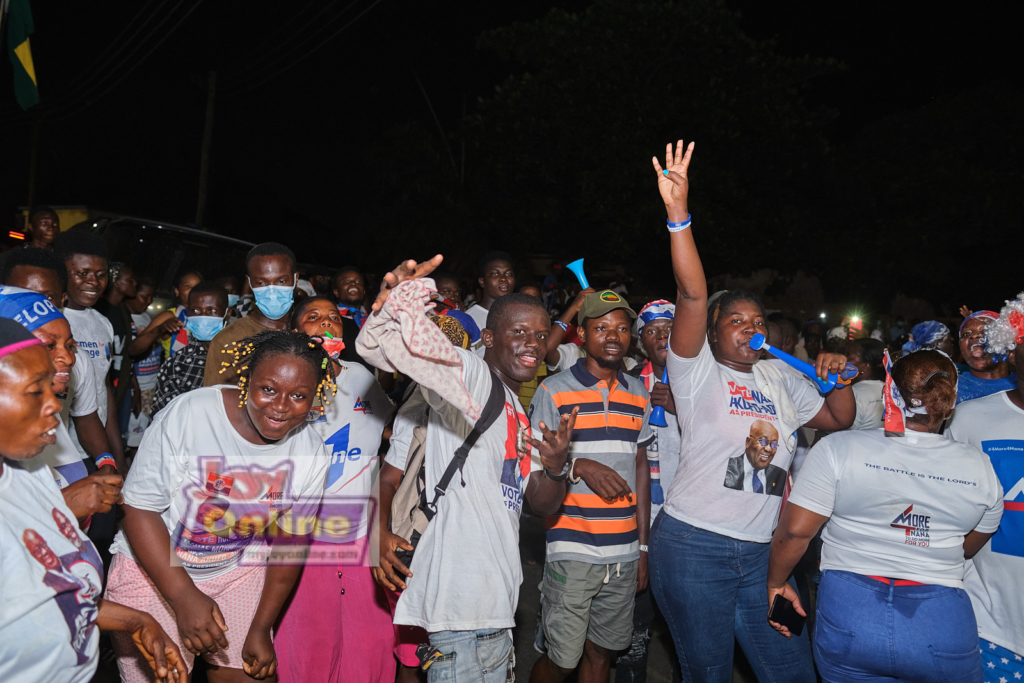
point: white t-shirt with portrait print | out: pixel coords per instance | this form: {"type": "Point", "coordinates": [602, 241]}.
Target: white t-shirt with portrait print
{"type": "Point", "coordinates": [351, 426]}
{"type": "Point", "coordinates": [466, 570]}
{"type": "Point", "coordinates": [993, 577]}
{"type": "Point", "coordinates": [899, 507]}
{"type": "Point", "coordinates": [50, 582]}
{"type": "Point", "coordinates": [212, 488]}
{"type": "Point", "coordinates": [719, 410]}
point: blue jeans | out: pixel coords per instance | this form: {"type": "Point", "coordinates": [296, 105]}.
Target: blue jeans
{"type": "Point", "coordinates": [869, 631]}
{"type": "Point", "coordinates": [484, 656]}
{"type": "Point", "coordinates": [713, 589]}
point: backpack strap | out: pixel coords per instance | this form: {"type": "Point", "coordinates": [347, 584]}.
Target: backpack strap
{"type": "Point", "coordinates": [495, 406]}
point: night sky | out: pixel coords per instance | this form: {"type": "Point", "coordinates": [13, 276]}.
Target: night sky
{"type": "Point", "coordinates": [290, 154]}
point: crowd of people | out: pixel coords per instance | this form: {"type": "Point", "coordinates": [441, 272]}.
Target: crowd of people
{"type": "Point", "coordinates": [294, 478]}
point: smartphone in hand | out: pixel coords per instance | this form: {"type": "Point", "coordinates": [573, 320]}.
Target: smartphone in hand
{"type": "Point", "coordinates": [782, 612]}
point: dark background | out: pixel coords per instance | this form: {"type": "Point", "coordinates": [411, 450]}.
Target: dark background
{"type": "Point", "coordinates": [876, 146]}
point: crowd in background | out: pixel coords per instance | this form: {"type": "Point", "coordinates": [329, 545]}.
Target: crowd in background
{"type": "Point", "coordinates": [293, 475]}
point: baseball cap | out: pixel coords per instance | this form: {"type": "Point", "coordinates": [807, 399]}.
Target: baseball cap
{"type": "Point", "coordinates": [602, 303]}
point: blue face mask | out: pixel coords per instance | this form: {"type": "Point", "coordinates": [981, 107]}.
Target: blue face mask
{"type": "Point", "coordinates": [232, 300]}
{"type": "Point", "coordinates": [204, 327]}
{"type": "Point", "coordinates": [274, 301]}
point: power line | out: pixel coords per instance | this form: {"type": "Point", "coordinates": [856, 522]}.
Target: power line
{"type": "Point", "coordinates": [66, 101]}
{"type": "Point", "coordinates": [240, 66]}
{"type": "Point", "coordinates": [289, 44]}
{"type": "Point", "coordinates": [90, 102]}
{"type": "Point", "coordinates": [89, 74]}
{"type": "Point", "coordinates": [305, 55]}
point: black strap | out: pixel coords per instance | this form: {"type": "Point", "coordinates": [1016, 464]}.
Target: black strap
{"type": "Point", "coordinates": [495, 406]}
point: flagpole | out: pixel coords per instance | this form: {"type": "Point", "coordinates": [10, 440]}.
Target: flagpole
{"type": "Point", "coordinates": [3, 15]}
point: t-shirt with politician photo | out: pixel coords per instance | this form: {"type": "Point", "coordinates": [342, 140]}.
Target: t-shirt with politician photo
{"type": "Point", "coordinates": [733, 459]}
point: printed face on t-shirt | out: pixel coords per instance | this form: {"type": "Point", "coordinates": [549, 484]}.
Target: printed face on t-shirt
{"type": "Point", "coordinates": [40, 550]}
{"type": "Point", "coordinates": [762, 444]}
{"type": "Point", "coordinates": [67, 528]}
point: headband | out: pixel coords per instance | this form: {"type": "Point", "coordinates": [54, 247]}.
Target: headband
{"type": "Point", "coordinates": [990, 315]}
{"type": "Point", "coordinates": [27, 308]}
{"type": "Point", "coordinates": [14, 337]}
{"type": "Point", "coordinates": [654, 310]}
{"type": "Point", "coordinates": [925, 335]}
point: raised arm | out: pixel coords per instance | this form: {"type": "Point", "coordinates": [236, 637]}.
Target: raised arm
{"type": "Point", "coordinates": [689, 328]}
{"type": "Point", "coordinates": [568, 318]}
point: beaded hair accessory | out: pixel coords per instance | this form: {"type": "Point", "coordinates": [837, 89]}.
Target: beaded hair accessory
{"type": "Point", "coordinates": [247, 352]}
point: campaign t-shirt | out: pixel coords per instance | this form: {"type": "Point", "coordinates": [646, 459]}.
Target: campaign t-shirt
{"type": "Point", "coordinates": [970, 387]}
{"type": "Point", "coordinates": [993, 577]}
{"type": "Point", "coordinates": [479, 315]}
{"type": "Point", "coordinates": [82, 395]}
{"type": "Point", "coordinates": [467, 570]}
{"type": "Point", "coordinates": [216, 492]}
{"type": "Point", "coordinates": [899, 506]}
{"type": "Point", "coordinates": [50, 581]}
{"type": "Point", "coordinates": [867, 395]}
{"type": "Point", "coordinates": [95, 338]}
{"type": "Point", "coordinates": [147, 368]}
{"type": "Point", "coordinates": [665, 444]}
{"type": "Point", "coordinates": [411, 415]}
{"type": "Point", "coordinates": [733, 462]}
{"type": "Point", "coordinates": [351, 426]}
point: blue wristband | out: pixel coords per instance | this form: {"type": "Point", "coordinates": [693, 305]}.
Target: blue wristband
{"type": "Point", "coordinates": [679, 227]}
{"type": "Point", "coordinates": [106, 459]}
{"type": "Point", "coordinates": [565, 328]}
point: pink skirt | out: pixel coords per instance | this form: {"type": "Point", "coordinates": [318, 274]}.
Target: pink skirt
{"type": "Point", "coordinates": [336, 626]}
{"type": "Point", "coordinates": [236, 593]}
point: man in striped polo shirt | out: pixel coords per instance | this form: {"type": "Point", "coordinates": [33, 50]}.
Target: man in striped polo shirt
{"type": "Point", "coordinates": [597, 541]}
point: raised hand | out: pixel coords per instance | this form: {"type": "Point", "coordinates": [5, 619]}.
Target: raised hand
{"type": "Point", "coordinates": [675, 186]}
{"type": "Point", "coordinates": [407, 270]}
{"type": "Point", "coordinates": [966, 312]}
{"type": "Point", "coordinates": [554, 449]}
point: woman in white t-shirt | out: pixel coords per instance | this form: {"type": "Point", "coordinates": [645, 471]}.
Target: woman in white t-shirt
{"type": "Point", "coordinates": [337, 625]}
{"type": "Point", "coordinates": [737, 418]}
{"type": "Point", "coordinates": [50, 572]}
{"type": "Point", "coordinates": [220, 472]}
{"type": "Point", "coordinates": [866, 356]}
{"type": "Point", "coordinates": [903, 512]}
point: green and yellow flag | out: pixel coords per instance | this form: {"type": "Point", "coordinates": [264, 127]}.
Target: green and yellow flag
{"type": "Point", "coordinates": [19, 28]}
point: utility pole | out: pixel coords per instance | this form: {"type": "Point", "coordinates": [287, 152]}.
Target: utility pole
{"type": "Point", "coordinates": [37, 122]}
{"type": "Point", "coordinates": [204, 157]}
